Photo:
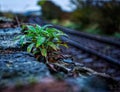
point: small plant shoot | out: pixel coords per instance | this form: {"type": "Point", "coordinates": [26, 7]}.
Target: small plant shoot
{"type": "Point", "coordinates": [41, 40]}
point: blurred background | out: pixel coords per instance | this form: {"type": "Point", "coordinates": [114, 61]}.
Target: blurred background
{"type": "Point", "coordinates": [101, 17]}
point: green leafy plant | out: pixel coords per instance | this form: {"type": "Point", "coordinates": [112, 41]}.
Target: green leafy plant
{"type": "Point", "coordinates": [42, 40]}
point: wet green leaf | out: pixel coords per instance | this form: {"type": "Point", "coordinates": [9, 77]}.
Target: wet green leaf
{"type": "Point", "coordinates": [44, 52]}
{"type": "Point", "coordinates": [22, 38]}
{"type": "Point", "coordinates": [31, 28]}
{"type": "Point", "coordinates": [51, 44]}
{"type": "Point", "coordinates": [30, 47]}
{"type": "Point", "coordinates": [46, 26]}
{"type": "Point", "coordinates": [40, 40]}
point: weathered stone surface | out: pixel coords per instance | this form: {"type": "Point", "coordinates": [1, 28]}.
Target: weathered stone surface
{"type": "Point", "coordinates": [20, 68]}
{"type": "Point", "coordinates": [7, 38]}
{"type": "Point", "coordinates": [10, 31]}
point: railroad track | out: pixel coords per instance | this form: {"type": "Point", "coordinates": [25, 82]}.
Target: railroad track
{"type": "Point", "coordinates": [103, 48]}
{"type": "Point", "coordinates": [90, 47]}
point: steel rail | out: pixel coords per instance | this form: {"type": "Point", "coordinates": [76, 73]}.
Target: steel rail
{"type": "Point", "coordinates": [81, 34]}
{"type": "Point", "coordinates": [90, 51]}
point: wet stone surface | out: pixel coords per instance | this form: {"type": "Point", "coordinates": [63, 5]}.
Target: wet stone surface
{"type": "Point", "coordinates": [10, 31]}
{"type": "Point", "coordinates": [20, 68]}
{"type": "Point", "coordinates": [7, 38]}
